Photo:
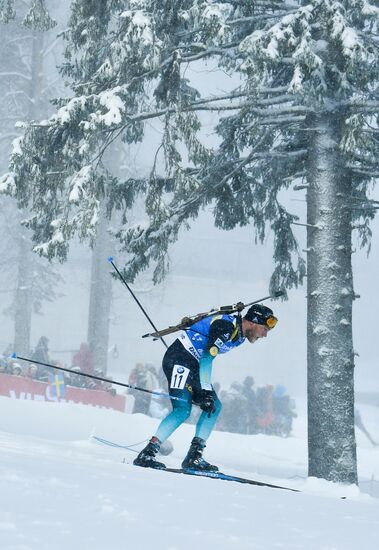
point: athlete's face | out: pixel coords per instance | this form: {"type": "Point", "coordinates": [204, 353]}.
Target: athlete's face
{"type": "Point", "coordinates": [253, 331]}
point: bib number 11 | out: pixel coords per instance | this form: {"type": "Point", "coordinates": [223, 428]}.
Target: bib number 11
{"type": "Point", "coordinates": [179, 377]}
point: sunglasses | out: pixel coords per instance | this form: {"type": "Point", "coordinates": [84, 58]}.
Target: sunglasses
{"type": "Point", "coordinates": [271, 321]}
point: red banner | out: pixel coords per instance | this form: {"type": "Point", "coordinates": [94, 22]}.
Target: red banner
{"type": "Point", "coordinates": [20, 387]}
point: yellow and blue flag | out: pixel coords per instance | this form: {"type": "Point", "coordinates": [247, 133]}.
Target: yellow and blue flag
{"type": "Point", "coordinates": [57, 385]}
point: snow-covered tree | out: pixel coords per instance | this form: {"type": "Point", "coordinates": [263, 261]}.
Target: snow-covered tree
{"type": "Point", "coordinates": [304, 113]}
{"type": "Point", "coordinates": [65, 153]}
{"type": "Point", "coordinates": [24, 86]}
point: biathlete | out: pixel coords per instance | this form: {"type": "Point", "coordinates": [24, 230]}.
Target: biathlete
{"type": "Point", "coordinates": [187, 365]}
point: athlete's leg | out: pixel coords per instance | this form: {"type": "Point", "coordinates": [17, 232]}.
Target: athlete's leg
{"type": "Point", "coordinates": [179, 376]}
{"type": "Point", "coordinates": [206, 423]}
{"type": "Point", "coordinates": [181, 411]}
{"type": "Point", "coordinates": [194, 458]}
{"type": "Point", "coordinates": [179, 414]}
{"type": "Point", "coordinates": [177, 367]}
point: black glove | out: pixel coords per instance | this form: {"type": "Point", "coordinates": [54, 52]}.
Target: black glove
{"type": "Point", "coordinates": [207, 402]}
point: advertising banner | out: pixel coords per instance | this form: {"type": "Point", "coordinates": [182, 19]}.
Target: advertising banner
{"type": "Point", "coordinates": [21, 387]}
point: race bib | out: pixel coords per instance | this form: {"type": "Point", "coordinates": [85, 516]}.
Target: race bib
{"type": "Point", "coordinates": [179, 377]}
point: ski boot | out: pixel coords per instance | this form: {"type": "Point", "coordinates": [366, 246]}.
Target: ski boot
{"type": "Point", "coordinates": [146, 457]}
{"type": "Point", "coordinates": [194, 459]}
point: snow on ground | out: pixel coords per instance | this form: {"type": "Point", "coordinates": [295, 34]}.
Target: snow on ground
{"type": "Point", "coordinates": [61, 490]}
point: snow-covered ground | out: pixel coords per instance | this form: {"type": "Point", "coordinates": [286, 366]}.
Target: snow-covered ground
{"type": "Point", "coordinates": [61, 490]}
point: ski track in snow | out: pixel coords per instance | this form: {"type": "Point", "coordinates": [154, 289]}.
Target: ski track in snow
{"type": "Point", "coordinates": [60, 490]}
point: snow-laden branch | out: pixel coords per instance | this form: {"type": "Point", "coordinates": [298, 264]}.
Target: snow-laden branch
{"type": "Point", "coordinates": [18, 92]}
{"type": "Point", "coordinates": [299, 154]}
{"type": "Point", "coordinates": [223, 97]}
{"type": "Point", "coordinates": [262, 17]}
{"type": "Point", "coordinates": [218, 108]}
{"type": "Point", "coordinates": [369, 106]}
{"type": "Point", "coordinates": [16, 74]}
{"type": "Point", "coordinates": [361, 171]}
{"type": "Point", "coordinates": [277, 121]}
{"type": "Point", "coordinates": [365, 160]}
{"type": "Point", "coordinates": [240, 21]}
{"type": "Point", "coordinates": [210, 52]}
{"type": "Point", "coordinates": [284, 98]}
{"type": "Point", "coordinates": [283, 110]}
{"type": "Point", "coordinates": [199, 105]}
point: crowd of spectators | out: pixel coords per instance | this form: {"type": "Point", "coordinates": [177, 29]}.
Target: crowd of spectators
{"type": "Point", "coordinates": [246, 409]}
{"type": "Point", "coordinates": [82, 362]}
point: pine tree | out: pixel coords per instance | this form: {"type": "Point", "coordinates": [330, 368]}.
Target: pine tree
{"type": "Point", "coordinates": [321, 127]}
{"type": "Point", "coordinates": [22, 49]}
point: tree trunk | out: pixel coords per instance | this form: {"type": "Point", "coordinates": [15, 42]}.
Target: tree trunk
{"type": "Point", "coordinates": [100, 297]}
{"type": "Point", "coordinates": [331, 436]}
{"type": "Point", "coordinates": [23, 303]}
{"type": "Point", "coordinates": [23, 298]}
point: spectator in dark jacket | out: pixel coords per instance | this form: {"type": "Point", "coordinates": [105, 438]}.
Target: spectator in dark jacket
{"type": "Point", "coordinates": [41, 353]}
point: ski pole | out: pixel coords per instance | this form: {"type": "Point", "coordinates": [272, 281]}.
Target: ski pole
{"type": "Point", "coordinates": [160, 394]}
{"type": "Point", "coordinates": [110, 260]}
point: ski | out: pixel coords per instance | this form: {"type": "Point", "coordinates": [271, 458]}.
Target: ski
{"type": "Point", "coordinates": [236, 479]}
{"type": "Point", "coordinates": [199, 473]}
{"type": "Point", "coordinates": [213, 475]}
{"type": "Point", "coordinates": [227, 477]}
{"type": "Point", "coordinates": [222, 476]}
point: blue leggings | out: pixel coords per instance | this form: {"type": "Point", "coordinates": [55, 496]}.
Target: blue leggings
{"type": "Point", "coordinates": [180, 413]}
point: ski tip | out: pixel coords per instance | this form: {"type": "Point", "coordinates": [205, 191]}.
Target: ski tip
{"type": "Point", "coordinates": [110, 259]}
{"type": "Point", "coordinates": [14, 355]}
{"type": "Point", "coordinates": [279, 293]}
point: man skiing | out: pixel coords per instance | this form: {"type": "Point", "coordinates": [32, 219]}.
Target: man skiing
{"type": "Point", "coordinates": [187, 365]}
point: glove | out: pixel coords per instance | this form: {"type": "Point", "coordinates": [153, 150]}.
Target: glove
{"type": "Point", "coordinates": [207, 402]}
